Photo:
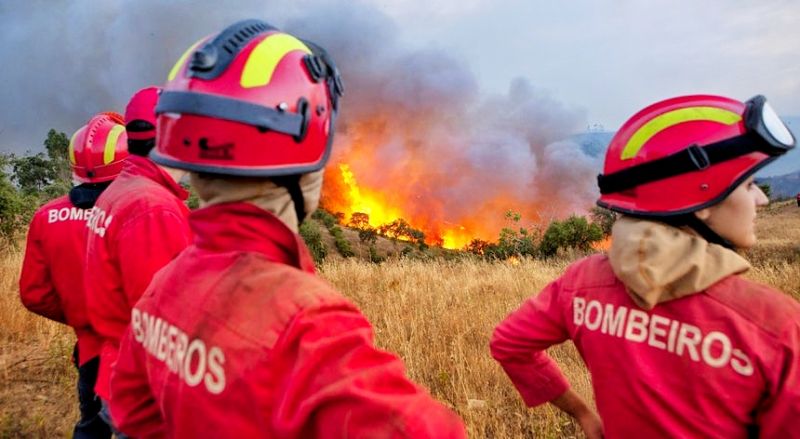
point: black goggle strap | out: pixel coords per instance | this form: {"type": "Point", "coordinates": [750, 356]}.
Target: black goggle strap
{"type": "Point", "coordinates": [693, 158]}
{"type": "Point", "coordinates": [219, 107]}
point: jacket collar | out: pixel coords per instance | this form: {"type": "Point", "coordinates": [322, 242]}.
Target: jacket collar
{"type": "Point", "coordinates": [659, 263]}
{"type": "Point", "coordinates": [135, 165]}
{"type": "Point", "coordinates": [242, 226]}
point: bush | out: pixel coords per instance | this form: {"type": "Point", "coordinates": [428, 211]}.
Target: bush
{"type": "Point", "coordinates": [325, 218]}
{"type": "Point", "coordinates": [574, 232]}
{"type": "Point", "coordinates": [605, 218]}
{"type": "Point", "coordinates": [342, 244]}
{"type": "Point", "coordinates": [313, 238]}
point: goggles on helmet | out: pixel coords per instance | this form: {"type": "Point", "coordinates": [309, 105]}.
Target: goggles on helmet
{"type": "Point", "coordinates": [764, 132]}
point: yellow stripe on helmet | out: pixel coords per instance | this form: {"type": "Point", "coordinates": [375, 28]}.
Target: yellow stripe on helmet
{"type": "Point", "coordinates": [265, 57]}
{"type": "Point", "coordinates": [182, 60]}
{"type": "Point", "coordinates": [71, 149]}
{"type": "Point", "coordinates": [675, 117]}
{"type": "Point", "coordinates": [111, 144]}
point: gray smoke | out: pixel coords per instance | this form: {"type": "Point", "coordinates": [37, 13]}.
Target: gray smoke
{"type": "Point", "coordinates": [412, 119]}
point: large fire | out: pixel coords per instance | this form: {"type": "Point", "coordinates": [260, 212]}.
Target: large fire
{"type": "Point", "coordinates": [379, 211]}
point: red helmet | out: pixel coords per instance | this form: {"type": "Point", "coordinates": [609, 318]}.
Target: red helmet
{"type": "Point", "coordinates": [687, 153]}
{"type": "Point", "coordinates": [249, 101]}
{"type": "Point", "coordinates": [97, 149]}
{"type": "Point", "coordinates": [140, 116]}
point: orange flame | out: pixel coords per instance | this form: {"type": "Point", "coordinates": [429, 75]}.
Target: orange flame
{"type": "Point", "coordinates": [603, 245]}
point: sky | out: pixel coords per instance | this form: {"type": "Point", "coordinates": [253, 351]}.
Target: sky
{"type": "Point", "coordinates": [604, 59]}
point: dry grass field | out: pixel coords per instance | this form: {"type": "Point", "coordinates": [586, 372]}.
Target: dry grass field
{"type": "Point", "coordinates": [437, 316]}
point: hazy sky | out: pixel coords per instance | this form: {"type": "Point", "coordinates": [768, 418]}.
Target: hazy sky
{"type": "Point", "coordinates": [612, 57]}
{"type": "Point", "coordinates": [64, 60]}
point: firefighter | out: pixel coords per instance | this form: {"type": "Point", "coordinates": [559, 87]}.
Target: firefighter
{"type": "Point", "coordinates": [677, 342]}
{"type": "Point", "coordinates": [138, 225]}
{"type": "Point", "coordinates": [238, 337]}
{"type": "Point", "coordinates": [51, 283]}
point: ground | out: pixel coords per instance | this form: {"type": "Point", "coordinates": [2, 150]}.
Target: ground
{"type": "Point", "coordinates": [436, 314]}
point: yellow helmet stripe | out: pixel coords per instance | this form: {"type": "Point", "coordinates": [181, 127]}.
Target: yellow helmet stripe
{"type": "Point", "coordinates": [111, 144]}
{"type": "Point", "coordinates": [675, 117]}
{"type": "Point", "coordinates": [265, 57]}
{"type": "Point", "coordinates": [71, 149]}
{"type": "Point", "coordinates": [177, 67]}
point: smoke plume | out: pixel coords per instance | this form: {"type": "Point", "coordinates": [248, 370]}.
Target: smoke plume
{"type": "Point", "coordinates": [421, 139]}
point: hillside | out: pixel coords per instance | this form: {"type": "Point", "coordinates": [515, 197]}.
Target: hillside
{"type": "Point", "coordinates": [783, 186]}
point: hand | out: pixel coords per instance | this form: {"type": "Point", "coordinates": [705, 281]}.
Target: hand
{"type": "Point", "coordinates": [572, 404]}
{"type": "Point", "coordinates": [591, 424]}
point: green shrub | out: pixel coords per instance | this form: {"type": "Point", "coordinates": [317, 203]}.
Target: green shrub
{"type": "Point", "coordinates": [313, 238]}
{"type": "Point", "coordinates": [325, 218]}
{"type": "Point", "coordinates": [605, 218]}
{"type": "Point", "coordinates": [574, 232]}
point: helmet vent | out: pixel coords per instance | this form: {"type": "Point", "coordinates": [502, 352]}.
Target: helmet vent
{"type": "Point", "coordinates": [216, 55]}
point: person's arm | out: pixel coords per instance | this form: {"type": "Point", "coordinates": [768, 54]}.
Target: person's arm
{"type": "Point", "coordinates": [334, 383]}
{"type": "Point", "coordinates": [133, 407]}
{"type": "Point", "coordinates": [36, 289]}
{"type": "Point", "coordinates": [519, 344]}
{"type": "Point", "coordinates": [779, 415]}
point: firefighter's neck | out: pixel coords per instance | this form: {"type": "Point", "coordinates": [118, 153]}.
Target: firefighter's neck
{"type": "Point", "coordinates": [176, 174]}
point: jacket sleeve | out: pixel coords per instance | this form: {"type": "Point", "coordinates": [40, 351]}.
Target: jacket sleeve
{"type": "Point", "coordinates": [145, 245]}
{"type": "Point", "coordinates": [779, 415]}
{"type": "Point", "coordinates": [333, 383]}
{"type": "Point", "coordinates": [36, 288]}
{"type": "Point", "coordinates": [519, 344]}
{"type": "Point", "coordinates": [133, 406]}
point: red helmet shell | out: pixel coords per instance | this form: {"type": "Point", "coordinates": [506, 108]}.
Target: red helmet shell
{"type": "Point", "coordinates": [142, 107]}
{"type": "Point", "coordinates": [665, 128]}
{"type": "Point", "coordinates": [97, 149]}
{"type": "Point", "coordinates": [268, 71]}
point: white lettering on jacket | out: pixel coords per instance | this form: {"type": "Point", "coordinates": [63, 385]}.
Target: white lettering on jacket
{"type": "Point", "coordinates": [191, 360]}
{"type": "Point", "coordinates": [68, 214]}
{"type": "Point", "coordinates": [99, 221]}
{"type": "Point", "coordinates": [683, 339]}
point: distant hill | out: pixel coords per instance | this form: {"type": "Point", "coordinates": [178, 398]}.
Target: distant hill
{"type": "Point", "coordinates": [783, 186]}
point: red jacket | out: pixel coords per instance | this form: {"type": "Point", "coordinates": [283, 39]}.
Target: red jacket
{"type": "Point", "coordinates": [238, 338]}
{"type": "Point", "coordinates": [712, 364]}
{"type": "Point", "coordinates": [51, 283]}
{"type": "Point", "coordinates": [138, 225]}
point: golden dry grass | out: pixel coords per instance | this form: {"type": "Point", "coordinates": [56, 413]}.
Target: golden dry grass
{"type": "Point", "coordinates": [436, 315]}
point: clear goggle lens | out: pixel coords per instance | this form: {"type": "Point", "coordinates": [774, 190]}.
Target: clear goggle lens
{"type": "Point", "coordinates": [776, 128]}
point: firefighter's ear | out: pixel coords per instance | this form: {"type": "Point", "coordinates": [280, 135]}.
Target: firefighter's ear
{"type": "Point", "coordinates": [703, 214]}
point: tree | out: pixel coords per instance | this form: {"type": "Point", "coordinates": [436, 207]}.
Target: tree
{"type": "Point", "coordinates": [605, 218]}
{"type": "Point", "coordinates": [57, 146]}
{"type": "Point", "coordinates": [359, 220]}
{"type": "Point", "coordinates": [574, 232]}
{"type": "Point", "coordinates": [32, 173]}
{"type": "Point", "coordinates": [766, 188]}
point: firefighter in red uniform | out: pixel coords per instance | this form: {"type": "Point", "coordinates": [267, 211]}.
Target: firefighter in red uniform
{"type": "Point", "coordinates": [51, 283]}
{"type": "Point", "coordinates": [138, 225]}
{"type": "Point", "coordinates": [237, 337]}
{"type": "Point", "coordinates": [678, 344]}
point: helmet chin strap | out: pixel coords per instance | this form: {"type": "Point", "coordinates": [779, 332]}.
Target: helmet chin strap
{"type": "Point", "coordinates": [292, 185]}
{"type": "Point", "coordinates": [696, 224]}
